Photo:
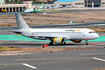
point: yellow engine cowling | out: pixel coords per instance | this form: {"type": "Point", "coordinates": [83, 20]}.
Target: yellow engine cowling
{"type": "Point", "coordinates": [59, 40]}
{"type": "Point", "coordinates": [77, 41]}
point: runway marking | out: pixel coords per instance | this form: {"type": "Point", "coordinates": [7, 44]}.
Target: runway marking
{"type": "Point", "coordinates": [93, 54]}
{"type": "Point", "coordinates": [29, 66]}
{"type": "Point", "coordinates": [95, 45]}
{"type": "Point", "coordinates": [98, 59]}
{"type": "Point", "coordinates": [57, 58]}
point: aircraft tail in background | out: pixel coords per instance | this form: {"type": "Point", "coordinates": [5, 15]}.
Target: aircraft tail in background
{"type": "Point", "coordinates": [41, 8]}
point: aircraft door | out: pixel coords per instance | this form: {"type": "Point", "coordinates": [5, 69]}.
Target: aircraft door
{"type": "Point", "coordinates": [60, 32]}
{"type": "Point", "coordinates": [76, 35]}
{"type": "Point", "coordinates": [83, 33]}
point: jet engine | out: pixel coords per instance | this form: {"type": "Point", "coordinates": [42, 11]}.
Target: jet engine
{"type": "Point", "coordinates": [77, 41]}
{"type": "Point", "coordinates": [59, 40]}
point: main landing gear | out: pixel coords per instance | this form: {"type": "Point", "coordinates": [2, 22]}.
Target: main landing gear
{"type": "Point", "coordinates": [51, 43]}
{"type": "Point", "coordinates": [86, 42]}
{"type": "Point", "coordinates": [64, 43]}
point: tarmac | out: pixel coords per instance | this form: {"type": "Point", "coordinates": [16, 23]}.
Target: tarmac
{"type": "Point", "coordinates": [75, 60]}
{"type": "Point", "coordinates": [37, 44]}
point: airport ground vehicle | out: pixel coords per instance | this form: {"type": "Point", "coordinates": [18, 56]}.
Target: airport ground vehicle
{"type": "Point", "coordinates": [3, 10]}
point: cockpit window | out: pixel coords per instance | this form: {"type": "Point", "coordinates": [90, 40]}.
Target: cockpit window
{"type": "Point", "coordinates": [91, 32]}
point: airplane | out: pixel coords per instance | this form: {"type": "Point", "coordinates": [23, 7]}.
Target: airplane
{"type": "Point", "coordinates": [55, 35]}
{"type": "Point", "coordinates": [34, 10]}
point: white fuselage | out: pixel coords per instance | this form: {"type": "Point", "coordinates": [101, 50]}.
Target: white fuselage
{"type": "Point", "coordinates": [29, 10]}
{"type": "Point", "coordinates": [67, 34]}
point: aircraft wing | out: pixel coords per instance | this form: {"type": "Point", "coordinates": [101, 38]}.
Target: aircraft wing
{"type": "Point", "coordinates": [9, 30]}
{"type": "Point", "coordinates": [51, 36]}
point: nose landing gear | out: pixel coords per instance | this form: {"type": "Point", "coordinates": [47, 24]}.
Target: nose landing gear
{"type": "Point", "coordinates": [86, 42]}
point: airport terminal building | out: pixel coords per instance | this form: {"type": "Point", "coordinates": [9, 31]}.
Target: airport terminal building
{"type": "Point", "coordinates": [16, 7]}
{"type": "Point", "coordinates": [80, 3]}
{"type": "Point", "coordinates": [60, 3]}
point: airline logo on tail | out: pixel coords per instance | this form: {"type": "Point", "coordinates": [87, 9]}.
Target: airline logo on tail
{"type": "Point", "coordinates": [41, 8]}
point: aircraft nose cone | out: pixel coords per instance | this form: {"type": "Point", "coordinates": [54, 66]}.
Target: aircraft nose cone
{"type": "Point", "coordinates": [96, 36]}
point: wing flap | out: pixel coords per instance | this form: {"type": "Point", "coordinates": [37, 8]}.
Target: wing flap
{"type": "Point", "coordinates": [53, 36]}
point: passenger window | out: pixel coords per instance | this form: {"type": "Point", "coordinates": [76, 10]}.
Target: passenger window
{"type": "Point", "coordinates": [91, 32]}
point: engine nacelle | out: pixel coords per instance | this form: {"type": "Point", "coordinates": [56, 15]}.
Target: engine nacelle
{"type": "Point", "coordinates": [77, 41]}
{"type": "Point", "coordinates": [59, 40]}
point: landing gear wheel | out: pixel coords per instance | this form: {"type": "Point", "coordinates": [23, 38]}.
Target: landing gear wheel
{"type": "Point", "coordinates": [86, 43]}
{"type": "Point", "coordinates": [50, 43]}
{"type": "Point", "coordinates": [64, 43]}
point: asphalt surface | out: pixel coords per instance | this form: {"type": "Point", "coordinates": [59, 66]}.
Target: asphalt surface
{"type": "Point", "coordinates": [37, 44]}
{"type": "Point", "coordinates": [75, 60]}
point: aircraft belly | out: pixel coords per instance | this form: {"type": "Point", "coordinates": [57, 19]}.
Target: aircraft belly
{"type": "Point", "coordinates": [40, 38]}
{"type": "Point", "coordinates": [76, 36]}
